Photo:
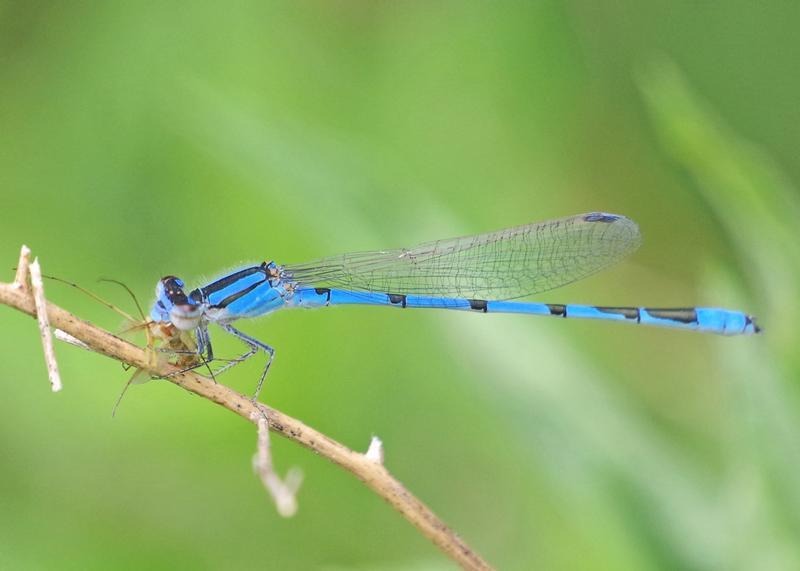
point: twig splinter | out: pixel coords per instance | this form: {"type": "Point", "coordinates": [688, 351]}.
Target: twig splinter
{"type": "Point", "coordinates": [37, 286]}
{"type": "Point", "coordinates": [21, 278]}
{"type": "Point", "coordinates": [67, 338]}
{"type": "Point", "coordinates": [375, 451]}
{"type": "Point", "coordinates": [283, 492]}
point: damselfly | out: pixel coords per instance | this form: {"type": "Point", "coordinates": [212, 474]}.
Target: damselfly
{"type": "Point", "coordinates": [478, 273]}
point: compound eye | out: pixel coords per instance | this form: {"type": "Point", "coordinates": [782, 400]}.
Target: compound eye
{"type": "Point", "coordinates": [173, 289]}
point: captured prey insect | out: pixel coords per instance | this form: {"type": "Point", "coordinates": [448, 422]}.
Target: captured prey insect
{"type": "Point", "coordinates": [478, 273]}
{"type": "Point", "coordinates": [165, 342]}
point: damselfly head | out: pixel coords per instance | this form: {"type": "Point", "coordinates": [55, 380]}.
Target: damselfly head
{"type": "Point", "coordinates": [173, 306]}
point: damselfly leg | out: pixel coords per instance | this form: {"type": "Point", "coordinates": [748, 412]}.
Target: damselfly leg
{"type": "Point", "coordinates": [255, 345]}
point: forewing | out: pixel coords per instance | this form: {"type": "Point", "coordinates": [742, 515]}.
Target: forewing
{"type": "Point", "coordinates": [506, 264]}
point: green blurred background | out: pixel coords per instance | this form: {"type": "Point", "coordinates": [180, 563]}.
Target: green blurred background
{"type": "Point", "coordinates": [144, 138]}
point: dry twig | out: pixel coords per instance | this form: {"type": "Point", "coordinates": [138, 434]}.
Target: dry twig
{"type": "Point", "coordinates": [367, 467]}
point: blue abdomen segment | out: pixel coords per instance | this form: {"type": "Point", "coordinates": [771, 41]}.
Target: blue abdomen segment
{"type": "Point", "coordinates": [712, 320]}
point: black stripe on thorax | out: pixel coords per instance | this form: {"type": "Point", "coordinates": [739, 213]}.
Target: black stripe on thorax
{"type": "Point", "coordinates": [233, 278]}
{"type": "Point", "coordinates": [239, 294]}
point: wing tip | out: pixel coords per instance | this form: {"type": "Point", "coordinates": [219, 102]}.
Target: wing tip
{"type": "Point", "coordinates": [625, 229]}
{"type": "Point", "coordinates": [604, 217]}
